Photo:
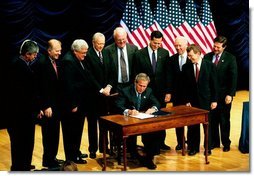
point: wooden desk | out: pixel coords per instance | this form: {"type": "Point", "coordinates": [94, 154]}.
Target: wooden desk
{"type": "Point", "coordinates": [126, 126]}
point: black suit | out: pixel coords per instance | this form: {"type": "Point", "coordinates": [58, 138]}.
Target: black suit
{"type": "Point", "coordinates": [23, 107]}
{"type": "Point", "coordinates": [159, 79]}
{"type": "Point", "coordinates": [126, 100]}
{"type": "Point", "coordinates": [113, 55]}
{"type": "Point", "coordinates": [176, 87]}
{"type": "Point", "coordinates": [101, 72]}
{"type": "Point", "coordinates": [78, 86]}
{"type": "Point", "coordinates": [50, 97]}
{"type": "Point", "coordinates": [200, 94]}
{"type": "Point", "coordinates": [227, 82]}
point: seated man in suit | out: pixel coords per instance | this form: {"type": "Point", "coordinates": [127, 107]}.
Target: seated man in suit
{"type": "Point", "coordinates": [135, 98]}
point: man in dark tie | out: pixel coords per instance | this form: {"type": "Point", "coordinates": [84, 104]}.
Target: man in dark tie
{"type": "Point", "coordinates": [154, 61]}
{"type": "Point", "coordinates": [133, 99]}
{"type": "Point", "coordinates": [226, 67]}
{"type": "Point", "coordinates": [99, 64]}
{"type": "Point", "coordinates": [121, 53]}
{"type": "Point", "coordinates": [201, 92]}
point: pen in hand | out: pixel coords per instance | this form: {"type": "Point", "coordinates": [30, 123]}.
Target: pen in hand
{"type": "Point", "coordinates": [134, 111]}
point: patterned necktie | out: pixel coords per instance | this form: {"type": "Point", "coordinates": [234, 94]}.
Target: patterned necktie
{"type": "Point", "coordinates": [123, 67]}
{"type": "Point", "coordinates": [216, 59]}
{"type": "Point", "coordinates": [197, 72]}
{"type": "Point", "coordinates": [153, 61]}
{"type": "Point", "coordinates": [100, 56]}
{"type": "Point", "coordinates": [138, 101]}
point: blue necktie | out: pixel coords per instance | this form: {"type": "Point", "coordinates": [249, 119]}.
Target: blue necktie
{"type": "Point", "coordinates": [153, 61]}
{"type": "Point", "coordinates": [138, 101]}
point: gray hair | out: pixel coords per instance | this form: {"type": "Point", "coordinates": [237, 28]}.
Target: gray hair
{"type": "Point", "coordinates": [98, 35]}
{"type": "Point", "coordinates": [78, 45]}
{"type": "Point", "coordinates": [28, 46]}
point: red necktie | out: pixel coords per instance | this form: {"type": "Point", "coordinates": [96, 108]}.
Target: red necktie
{"type": "Point", "coordinates": [197, 72]}
{"type": "Point", "coordinates": [55, 67]}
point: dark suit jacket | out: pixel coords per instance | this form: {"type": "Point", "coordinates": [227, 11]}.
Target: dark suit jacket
{"type": "Point", "coordinates": [23, 102]}
{"type": "Point", "coordinates": [101, 72]}
{"type": "Point", "coordinates": [226, 74]}
{"type": "Point", "coordinates": [49, 84]}
{"type": "Point", "coordinates": [158, 79]}
{"type": "Point", "coordinates": [202, 93]}
{"type": "Point", "coordinates": [112, 54]}
{"type": "Point", "coordinates": [176, 80]}
{"type": "Point", "coordinates": [78, 83]}
{"type": "Point", "coordinates": [128, 99]}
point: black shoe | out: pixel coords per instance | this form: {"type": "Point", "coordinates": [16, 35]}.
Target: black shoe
{"type": "Point", "coordinates": [32, 167]}
{"type": "Point", "coordinates": [79, 160]}
{"type": "Point", "coordinates": [192, 152]}
{"type": "Point", "coordinates": [165, 147]}
{"type": "Point", "coordinates": [59, 161]}
{"type": "Point", "coordinates": [226, 148]}
{"type": "Point", "coordinates": [150, 164]}
{"type": "Point", "coordinates": [92, 155]}
{"type": "Point", "coordinates": [83, 155]}
{"type": "Point", "coordinates": [179, 147]}
{"type": "Point", "coordinates": [209, 152]}
{"type": "Point", "coordinates": [51, 164]}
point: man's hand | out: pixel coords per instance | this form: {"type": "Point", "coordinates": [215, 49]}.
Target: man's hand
{"type": "Point", "coordinates": [150, 111]}
{"type": "Point", "coordinates": [133, 112]}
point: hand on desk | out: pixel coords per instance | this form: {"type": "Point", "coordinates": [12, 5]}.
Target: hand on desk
{"type": "Point", "coordinates": [133, 112]}
{"type": "Point", "coordinates": [150, 111]}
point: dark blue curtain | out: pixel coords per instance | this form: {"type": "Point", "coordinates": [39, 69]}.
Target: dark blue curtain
{"type": "Point", "coordinates": [67, 20]}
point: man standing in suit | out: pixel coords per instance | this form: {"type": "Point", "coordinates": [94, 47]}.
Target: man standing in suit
{"type": "Point", "coordinates": [176, 80]}
{"type": "Point", "coordinates": [121, 53]}
{"type": "Point", "coordinates": [99, 65]}
{"type": "Point", "coordinates": [139, 97]}
{"type": "Point", "coordinates": [154, 61]}
{"type": "Point", "coordinates": [23, 106]}
{"type": "Point", "coordinates": [226, 67]}
{"type": "Point", "coordinates": [201, 92]}
{"type": "Point", "coordinates": [50, 97]}
{"type": "Point", "coordinates": [79, 89]}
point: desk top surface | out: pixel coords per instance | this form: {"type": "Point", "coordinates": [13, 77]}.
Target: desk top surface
{"type": "Point", "coordinates": [176, 112]}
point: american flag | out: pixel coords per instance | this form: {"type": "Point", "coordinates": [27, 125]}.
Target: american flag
{"type": "Point", "coordinates": [196, 33]}
{"type": "Point", "coordinates": [179, 26]}
{"type": "Point", "coordinates": [209, 27]}
{"type": "Point", "coordinates": [148, 21]}
{"type": "Point", "coordinates": [132, 24]}
{"type": "Point", "coordinates": [163, 24]}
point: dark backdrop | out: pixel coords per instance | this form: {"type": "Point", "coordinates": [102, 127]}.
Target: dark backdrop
{"type": "Point", "coordinates": [68, 20]}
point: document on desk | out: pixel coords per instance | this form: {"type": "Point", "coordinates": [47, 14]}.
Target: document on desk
{"type": "Point", "coordinates": [142, 115]}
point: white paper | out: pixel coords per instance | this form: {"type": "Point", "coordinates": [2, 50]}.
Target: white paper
{"type": "Point", "coordinates": [142, 115]}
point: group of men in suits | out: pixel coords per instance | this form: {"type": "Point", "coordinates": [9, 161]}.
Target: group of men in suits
{"type": "Point", "coordinates": [81, 83]}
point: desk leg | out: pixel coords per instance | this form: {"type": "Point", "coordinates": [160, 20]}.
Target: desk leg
{"type": "Point", "coordinates": [183, 143]}
{"type": "Point", "coordinates": [206, 143]}
{"type": "Point", "coordinates": [124, 154]}
{"type": "Point", "coordinates": [104, 134]}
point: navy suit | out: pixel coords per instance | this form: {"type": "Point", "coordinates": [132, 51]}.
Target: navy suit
{"type": "Point", "coordinates": [227, 83]}
{"type": "Point", "coordinates": [159, 81]}
{"type": "Point", "coordinates": [126, 100]}
{"type": "Point", "coordinates": [200, 94]}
